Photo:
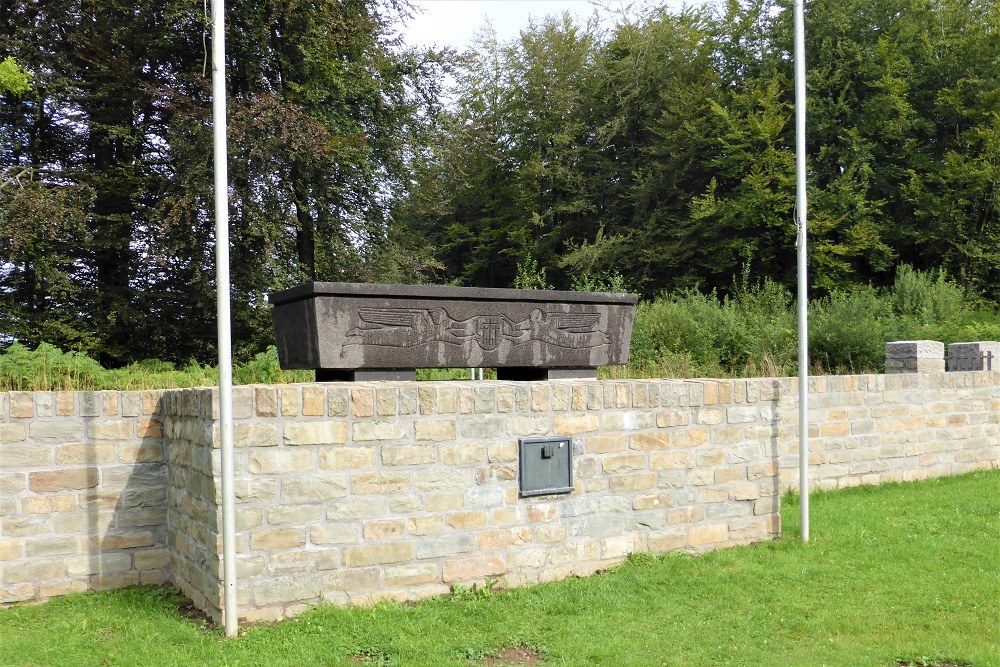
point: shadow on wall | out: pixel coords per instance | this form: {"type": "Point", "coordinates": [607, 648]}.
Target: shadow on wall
{"type": "Point", "coordinates": [126, 509]}
{"type": "Point", "coordinates": [84, 484]}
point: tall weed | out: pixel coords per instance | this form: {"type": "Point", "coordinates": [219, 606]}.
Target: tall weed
{"type": "Point", "coordinates": [48, 368]}
{"type": "Point", "coordinates": [847, 331]}
{"type": "Point", "coordinates": [926, 296]}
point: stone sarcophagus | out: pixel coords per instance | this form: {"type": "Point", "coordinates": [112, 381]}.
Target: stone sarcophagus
{"type": "Point", "coordinates": [354, 331]}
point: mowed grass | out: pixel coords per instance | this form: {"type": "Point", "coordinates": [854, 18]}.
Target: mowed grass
{"type": "Point", "coordinates": [902, 572]}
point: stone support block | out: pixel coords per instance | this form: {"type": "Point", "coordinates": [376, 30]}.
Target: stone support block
{"type": "Point", "coordinates": [914, 356]}
{"type": "Point", "coordinates": [978, 356]}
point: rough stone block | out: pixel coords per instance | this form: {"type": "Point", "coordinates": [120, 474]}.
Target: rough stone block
{"type": "Point", "coordinates": [482, 426]}
{"type": "Point", "coordinates": [386, 529]}
{"type": "Point", "coordinates": [411, 575]}
{"type": "Point", "coordinates": [386, 401]}
{"type": "Point", "coordinates": [22, 404]}
{"type": "Point", "coordinates": [149, 429]}
{"type": "Point", "coordinates": [338, 401]}
{"type": "Point", "coordinates": [313, 401]}
{"type": "Point", "coordinates": [467, 520]}
{"type": "Point", "coordinates": [25, 456]}
{"type": "Point", "coordinates": [704, 535]}
{"type": "Point", "coordinates": [48, 504]}
{"type": "Point", "coordinates": [425, 525]}
{"type": "Point", "coordinates": [574, 424]}
{"type": "Point", "coordinates": [283, 591]}
{"type": "Point", "coordinates": [629, 483]}
{"type": "Point", "coordinates": [266, 402]}
{"type": "Point", "coordinates": [58, 430]}
{"type": "Point", "coordinates": [67, 479]}
{"type": "Point", "coordinates": [117, 429]}
{"type": "Point", "coordinates": [406, 503]}
{"type": "Point", "coordinates": [12, 432]}
{"type": "Point", "coordinates": [84, 454]}
{"type": "Point", "coordinates": [334, 533]}
{"type": "Point", "coordinates": [259, 434]}
{"type": "Point", "coordinates": [362, 402]}
{"type": "Point", "coordinates": [650, 441]}
{"type": "Point", "coordinates": [663, 542]}
{"type": "Point", "coordinates": [463, 454]}
{"type": "Point", "coordinates": [446, 545]}
{"type": "Point", "coordinates": [472, 568]}
{"type": "Point", "coordinates": [408, 455]}
{"type": "Point", "coordinates": [314, 487]}
{"type": "Point", "coordinates": [441, 479]}
{"type": "Point", "coordinates": [445, 501]}
{"type": "Point", "coordinates": [377, 554]}
{"type": "Point", "coordinates": [285, 515]}
{"type": "Point", "coordinates": [540, 398]}
{"type": "Point", "coordinates": [606, 443]}
{"type": "Point", "coordinates": [435, 430]}
{"type": "Point", "coordinates": [690, 437]}
{"type": "Point", "coordinates": [623, 463]}
{"type": "Point", "coordinates": [367, 431]}
{"type": "Point", "coordinates": [379, 483]}
{"type": "Point", "coordinates": [347, 458]}
{"type": "Point", "coordinates": [276, 539]}
{"type": "Point", "coordinates": [315, 433]}
{"type": "Point", "coordinates": [742, 415]}
{"type": "Point", "coordinates": [288, 399]}
{"type": "Point", "coordinates": [276, 461]}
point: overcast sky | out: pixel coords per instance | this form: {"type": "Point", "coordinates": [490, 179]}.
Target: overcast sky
{"type": "Point", "coordinates": [455, 22]}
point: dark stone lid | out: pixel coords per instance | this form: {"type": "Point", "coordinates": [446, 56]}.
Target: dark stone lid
{"type": "Point", "coordinates": [314, 289]}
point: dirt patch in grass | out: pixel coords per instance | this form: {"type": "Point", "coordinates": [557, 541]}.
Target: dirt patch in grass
{"type": "Point", "coordinates": [514, 655]}
{"type": "Point", "coordinates": [186, 609]}
{"type": "Point", "coordinates": [924, 662]}
{"type": "Point", "coordinates": [368, 658]}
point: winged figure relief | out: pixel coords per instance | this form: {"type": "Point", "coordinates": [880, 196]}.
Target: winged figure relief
{"type": "Point", "coordinates": [409, 327]}
{"type": "Point", "coordinates": [402, 327]}
{"type": "Point", "coordinates": [573, 330]}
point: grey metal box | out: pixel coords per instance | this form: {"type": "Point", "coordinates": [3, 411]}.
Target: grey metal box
{"type": "Point", "coordinates": [545, 466]}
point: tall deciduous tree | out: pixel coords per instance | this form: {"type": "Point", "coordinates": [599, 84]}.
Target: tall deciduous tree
{"type": "Point", "coordinates": [114, 141]}
{"type": "Point", "coordinates": [666, 150]}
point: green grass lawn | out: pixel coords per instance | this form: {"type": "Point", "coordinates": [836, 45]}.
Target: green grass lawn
{"type": "Point", "coordinates": [902, 572]}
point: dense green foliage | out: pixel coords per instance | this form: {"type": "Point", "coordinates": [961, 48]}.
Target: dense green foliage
{"type": "Point", "coordinates": [656, 155]}
{"type": "Point", "coordinates": [903, 574]}
{"type": "Point", "coordinates": [106, 229]}
{"type": "Point", "coordinates": [665, 149]}
{"type": "Point", "coordinates": [49, 369]}
{"type": "Point", "coordinates": [14, 80]}
{"type": "Point", "coordinates": [754, 331]}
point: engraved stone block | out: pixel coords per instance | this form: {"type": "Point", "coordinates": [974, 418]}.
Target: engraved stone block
{"type": "Point", "coordinates": [352, 331]}
{"type": "Point", "coordinates": [979, 356]}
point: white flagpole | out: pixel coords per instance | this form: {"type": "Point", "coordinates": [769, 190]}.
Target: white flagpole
{"type": "Point", "coordinates": [230, 611]}
{"type": "Point", "coordinates": [803, 296]}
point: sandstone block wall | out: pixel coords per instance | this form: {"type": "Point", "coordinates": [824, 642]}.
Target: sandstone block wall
{"type": "Point", "coordinates": [352, 492]}
{"type": "Point", "coordinates": [82, 492]}
{"type": "Point", "coordinates": [872, 429]}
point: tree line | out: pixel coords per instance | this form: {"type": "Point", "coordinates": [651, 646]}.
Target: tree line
{"type": "Point", "coordinates": [657, 154]}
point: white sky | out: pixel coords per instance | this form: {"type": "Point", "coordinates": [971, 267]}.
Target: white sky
{"type": "Point", "coordinates": [455, 22]}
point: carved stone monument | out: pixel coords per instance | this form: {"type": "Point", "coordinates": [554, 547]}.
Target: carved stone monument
{"type": "Point", "coordinates": [355, 331]}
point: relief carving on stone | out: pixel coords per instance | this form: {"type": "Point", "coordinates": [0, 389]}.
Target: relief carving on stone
{"type": "Point", "coordinates": [410, 327]}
